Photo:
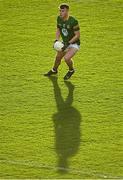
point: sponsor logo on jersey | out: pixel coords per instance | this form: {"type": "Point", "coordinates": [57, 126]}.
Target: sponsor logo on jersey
{"type": "Point", "coordinates": [65, 32]}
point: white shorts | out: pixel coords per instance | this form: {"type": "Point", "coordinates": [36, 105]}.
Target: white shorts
{"type": "Point", "coordinates": [76, 46]}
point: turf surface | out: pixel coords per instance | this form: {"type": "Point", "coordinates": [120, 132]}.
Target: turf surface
{"type": "Point", "coordinates": [53, 129]}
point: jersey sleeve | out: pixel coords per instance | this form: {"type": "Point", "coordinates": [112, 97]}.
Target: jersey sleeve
{"type": "Point", "coordinates": [76, 25]}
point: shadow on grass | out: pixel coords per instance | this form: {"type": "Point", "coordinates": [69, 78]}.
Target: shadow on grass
{"type": "Point", "coordinates": [66, 124]}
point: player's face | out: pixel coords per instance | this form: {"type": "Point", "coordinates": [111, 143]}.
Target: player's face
{"type": "Point", "coordinates": [63, 13]}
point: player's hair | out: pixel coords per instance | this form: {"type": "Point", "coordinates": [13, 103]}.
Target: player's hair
{"type": "Point", "coordinates": [64, 5]}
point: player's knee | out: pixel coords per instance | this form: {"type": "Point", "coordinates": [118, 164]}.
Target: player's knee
{"type": "Point", "coordinates": [66, 58]}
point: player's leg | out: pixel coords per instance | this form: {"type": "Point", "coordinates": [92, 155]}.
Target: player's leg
{"type": "Point", "coordinates": [68, 59]}
{"type": "Point", "coordinates": [57, 62]}
{"type": "Point", "coordinates": [58, 59]}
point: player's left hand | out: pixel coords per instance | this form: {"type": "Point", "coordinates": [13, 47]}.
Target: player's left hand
{"type": "Point", "coordinates": [65, 46]}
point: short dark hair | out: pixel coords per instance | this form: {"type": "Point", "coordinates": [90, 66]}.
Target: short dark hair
{"type": "Point", "coordinates": [64, 5]}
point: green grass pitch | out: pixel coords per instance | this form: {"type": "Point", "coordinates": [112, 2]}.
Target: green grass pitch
{"type": "Point", "coordinates": [49, 128]}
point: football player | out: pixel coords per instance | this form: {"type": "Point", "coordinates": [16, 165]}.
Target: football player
{"type": "Point", "coordinates": [68, 29]}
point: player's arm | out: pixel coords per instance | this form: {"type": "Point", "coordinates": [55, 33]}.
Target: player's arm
{"type": "Point", "coordinates": [75, 38]}
{"type": "Point", "coordinates": [57, 34]}
{"type": "Point", "coordinates": [77, 34]}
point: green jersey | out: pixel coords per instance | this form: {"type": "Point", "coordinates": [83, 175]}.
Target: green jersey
{"type": "Point", "coordinates": [67, 28]}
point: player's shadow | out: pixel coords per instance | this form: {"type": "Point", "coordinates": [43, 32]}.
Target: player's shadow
{"type": "Point", "coordinates": [66, 125]}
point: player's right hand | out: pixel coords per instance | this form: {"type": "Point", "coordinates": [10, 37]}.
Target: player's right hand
{"type": "Point", "coordinates": [55, 40]}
